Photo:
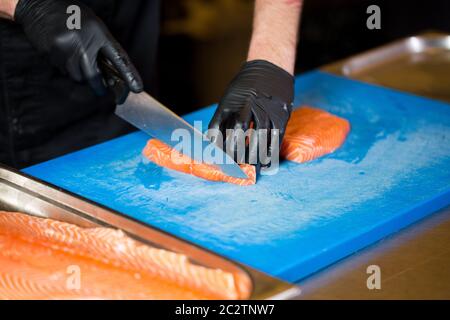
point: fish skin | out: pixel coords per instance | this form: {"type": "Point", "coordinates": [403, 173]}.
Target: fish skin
{"type": "Point", "coordinates": [36, 252]}
{"type": "Point", "coordinates": [311, 133]}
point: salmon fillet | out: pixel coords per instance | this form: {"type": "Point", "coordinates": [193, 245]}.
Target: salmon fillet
{"type": "Point", "coordinates": [36, 253]}
{"type": "Point", "coordinates": [310, 134]}
{"type": "Point", "coordinates": [162, 154]}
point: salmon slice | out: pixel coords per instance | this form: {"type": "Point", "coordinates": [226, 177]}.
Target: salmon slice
{"type": "Point", "coordinates": [312, 133]}
{"type": "Point", "coordinates": [30, 271]}
{"type": "Point", "coordinates": [163, 155]}
{"type": "Point", "coordinates": [36, 254]}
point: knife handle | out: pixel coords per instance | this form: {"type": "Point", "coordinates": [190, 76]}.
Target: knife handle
{"type": "Point", "coordinates": [113, 80]}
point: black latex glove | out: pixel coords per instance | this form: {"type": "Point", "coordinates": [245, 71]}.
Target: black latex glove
{"type": "Point", "coordinates": [259, 97]}
{"type": "Point", "coordinates": [75, 51]}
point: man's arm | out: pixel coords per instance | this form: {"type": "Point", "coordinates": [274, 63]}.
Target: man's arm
{"type": "Point", "coordinates": [261, 95]}
{"type": "Point", "coordinates": [7, 8]}
{"type": "Point", "coordinates": [275, 32]}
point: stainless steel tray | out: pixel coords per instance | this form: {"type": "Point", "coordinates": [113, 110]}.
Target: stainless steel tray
{"type": "Point", "coordinates": [19, 192]}
{"type": "Point", "coordinates": [419, 65]}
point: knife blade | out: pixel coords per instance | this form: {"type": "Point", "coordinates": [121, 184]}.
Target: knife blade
{"type": "Point", "coordinates": [149, 115]}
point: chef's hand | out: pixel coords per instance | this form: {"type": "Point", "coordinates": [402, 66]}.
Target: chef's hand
{"type": "Point", "coordinates": [259, 97]}
{"type": "Point", "coordinates": [75, 51]}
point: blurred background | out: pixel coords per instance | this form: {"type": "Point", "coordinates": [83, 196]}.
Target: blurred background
{"type": "Point", "coordinates": [204, 42]}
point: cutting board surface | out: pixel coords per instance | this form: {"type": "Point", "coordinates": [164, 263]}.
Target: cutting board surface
{"type": "Point", "coordinates": [393, 169]}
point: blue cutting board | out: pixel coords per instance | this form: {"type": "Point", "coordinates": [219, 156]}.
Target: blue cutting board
{"type": "Point", "coordinates": [393, 169]}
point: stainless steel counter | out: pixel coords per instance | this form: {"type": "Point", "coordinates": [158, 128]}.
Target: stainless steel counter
{"type": "Point", "coordinates": [414, 264]}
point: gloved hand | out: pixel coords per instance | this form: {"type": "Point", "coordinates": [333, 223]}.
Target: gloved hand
{"type": "Point", "coordinates": [259, 97]}
{"type": "Point", "coordinates": [75, 51]}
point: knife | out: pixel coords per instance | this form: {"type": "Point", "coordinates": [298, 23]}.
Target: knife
{"type": "Point", "coordinates": [149, 115]}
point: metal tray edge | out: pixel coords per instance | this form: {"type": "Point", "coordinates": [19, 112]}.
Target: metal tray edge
{"type": "Point", "coordinates": [415, 42]}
